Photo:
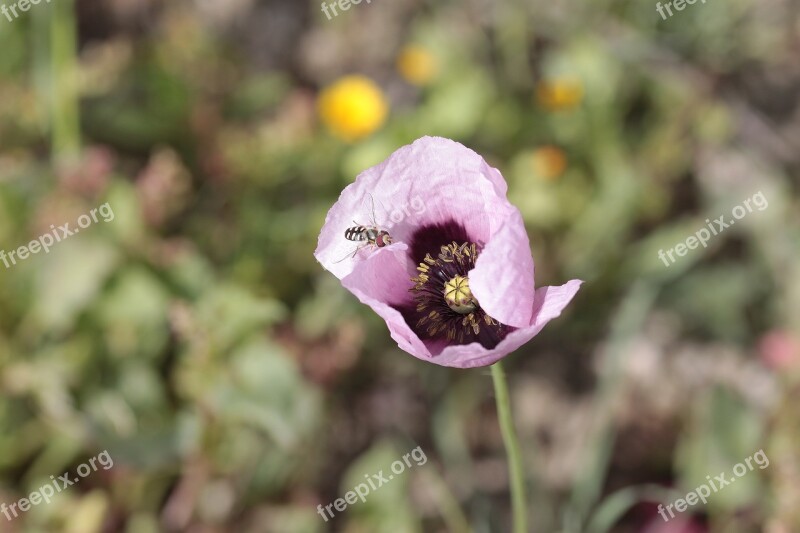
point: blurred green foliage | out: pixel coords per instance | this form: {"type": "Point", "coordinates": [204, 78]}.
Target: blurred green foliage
{"type": "Point", "coordinates": [237, 385]}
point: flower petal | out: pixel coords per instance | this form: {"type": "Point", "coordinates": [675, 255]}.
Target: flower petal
{"type": "Point", "coordinates": [430, 190]}
{"type": "Point", "coordinates": [431, 181]}
{"type": "Point", "coordinates": [382, 283]}
{"type": "Point", "coordinates": [502, 279]}
{"type": "Point", "coordinates": [548, 304]}
{"type": "Point", "coordinates": [550, 301]}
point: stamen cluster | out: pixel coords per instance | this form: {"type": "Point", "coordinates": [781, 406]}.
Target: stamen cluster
{"type": "Point", "coordinates": [442, 289]}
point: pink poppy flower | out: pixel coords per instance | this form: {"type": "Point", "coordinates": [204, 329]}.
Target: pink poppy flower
{"type": "Point", "coordinates": [454, 283]}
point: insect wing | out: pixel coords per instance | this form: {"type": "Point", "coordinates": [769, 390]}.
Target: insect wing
{"type": "Point", "coordinates": [369, 205]}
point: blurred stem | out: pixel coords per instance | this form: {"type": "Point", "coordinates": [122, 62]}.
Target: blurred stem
{"type": "Point", "coordinates": [515, 469]}
{"type": "Point", "coordinates": [65, 121]}
{"type": "Point", "coordinates": [627, 322]}
{"type": "Point", "coordinates": [453, 516]}
{"type": "Point", "coordinates": [616, 505]}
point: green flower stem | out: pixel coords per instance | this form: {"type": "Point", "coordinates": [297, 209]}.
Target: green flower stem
{"type": "Point", "coordinates": [65, 122]}
{"type": "Point", "coordinates": [515, 469]}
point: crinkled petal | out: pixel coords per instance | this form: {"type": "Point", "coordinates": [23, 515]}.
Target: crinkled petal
{"type": "Point", "coordinates": [502, 280]}
{"type": "Point", "coordinates": [431, 181]}
{"type": "Point", "coordinates": [434, 188]}
{"type": "Point", "coordinates": [367, 283]}
{"type": "Point", "coordinates": [382, 283]}
{"type": "Point", "coordinates": [550, 301]}
{"type": "Point", "coordinates": [548, 304]}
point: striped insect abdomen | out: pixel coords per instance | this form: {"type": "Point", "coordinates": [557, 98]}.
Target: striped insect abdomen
{"type": "Point", "coordinates": [356, 233]}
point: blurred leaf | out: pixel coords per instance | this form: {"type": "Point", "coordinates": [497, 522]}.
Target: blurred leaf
{"type": "Point", "coordinates": [724, 432]}
{"type": "Point", "coordinates": [229, 314]}
{"type": "Point", "coordinates": [70, 277]}
{"type": "Point", "coordinates": [387, 508]}
{"type": "Point", "coordinates": [133, 314]}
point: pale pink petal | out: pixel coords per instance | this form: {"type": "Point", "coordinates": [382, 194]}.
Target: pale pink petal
{"type": "Point", "coordinates": [366, 284]}
{"type": "Point", "coordinates": [550, 301]}
{"type": "Point", "coordinates": [548, 304]}
{"type": "Point", "coordinates": [502, 279]}
{"type": "Point", "coordinates": [417, 193]}
{"type": "Point", "coordinates": [430, 181]}
{"type": "Point", "coordinates": [382, 282]}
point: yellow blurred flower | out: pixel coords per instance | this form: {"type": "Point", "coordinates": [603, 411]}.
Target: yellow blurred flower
{"type": "Point", "coordinates": [417, 65]}
{"type": "Point", "coordinates": [560, 94]}
{"type": "Point", "coordinates": [549, 162]}
{"type": "Point", "coordinates": [353, 107]}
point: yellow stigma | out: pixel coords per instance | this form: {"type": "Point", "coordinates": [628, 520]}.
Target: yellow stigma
{"type": "Point", "coordinates": [458, 296]}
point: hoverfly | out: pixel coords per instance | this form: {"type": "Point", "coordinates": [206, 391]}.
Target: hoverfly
{"type": "Point", "coordinates": [368, 235]}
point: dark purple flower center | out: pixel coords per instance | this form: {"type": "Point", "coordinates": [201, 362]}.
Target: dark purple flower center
{"type": "Point", "coordinates": [445, 302]}
{"type": "Point", "coordinates": [444, 310]}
